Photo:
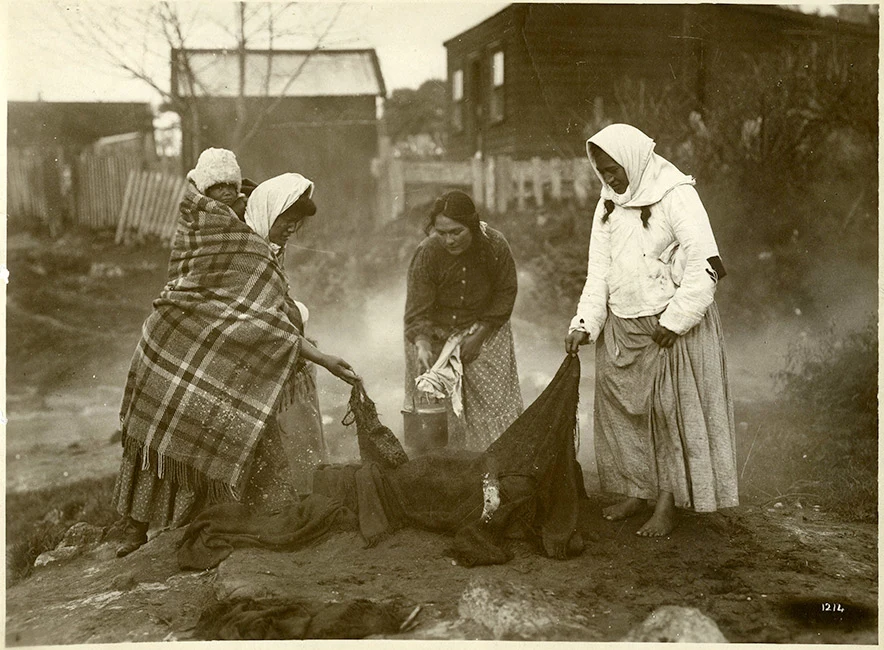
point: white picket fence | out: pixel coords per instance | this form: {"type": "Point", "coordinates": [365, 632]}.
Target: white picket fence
{"type": "Point", "coordinates": [497, 183]}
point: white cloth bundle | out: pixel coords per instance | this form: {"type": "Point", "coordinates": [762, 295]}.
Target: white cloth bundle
{"type": "Point", "coordinates": [445, 378]}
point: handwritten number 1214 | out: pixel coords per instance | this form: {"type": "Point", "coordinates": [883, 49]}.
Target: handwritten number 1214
{"type": "Point", "coordinates": [832, 607]}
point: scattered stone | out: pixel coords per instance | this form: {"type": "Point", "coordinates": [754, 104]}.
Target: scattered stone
{"type": "Point", "coordinates": [459, 630]}
{"type": "Point", "coordinates": [125, 581]}
{"type": "Point", "coordinates": [56, 555]}
{"type": "Point", "coordinates": [82, 534]}
{"type": "Point", "coordinates": [512, 611]}
{"type": "Point", "coordinates": [672, 624]}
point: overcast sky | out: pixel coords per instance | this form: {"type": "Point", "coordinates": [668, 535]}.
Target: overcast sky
{"type": "Point", "coordinates": [46, 58]}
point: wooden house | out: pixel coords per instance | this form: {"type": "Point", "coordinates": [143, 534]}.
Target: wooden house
{"type": "Point", "coordinates": [533, 78]}
{"type": "Point", "coordinates": [315, 112]}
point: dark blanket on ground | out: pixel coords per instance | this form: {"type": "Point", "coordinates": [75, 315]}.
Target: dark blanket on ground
{"type": "Point", "coordinates": [271, 619]}
{"type": "Point", "coordinates": [534, 462]}
{"type": "Point", "coordinates": [216, 531]}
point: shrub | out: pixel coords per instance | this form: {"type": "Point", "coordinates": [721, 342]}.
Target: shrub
{"type": "Point", "coordinates": [37, 521]}
{"type": "Point", "coordinates": [821, 441]}
{"type": "Point", "coordinates": [836, 378]}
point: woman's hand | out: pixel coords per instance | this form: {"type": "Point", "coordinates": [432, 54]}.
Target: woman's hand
{"type": "Point", "coordinates": [471, 346]}
{"type": "Point", "coordinates": [424, 355]}
{"type": "Point", "coordinates": [341, 369]}
{"type": "Point", "coordinates": [335, 365]}
{"type": "Point", "coordinates": [574, 340]}
{"type": "Point", "coordinates": [663, 337]}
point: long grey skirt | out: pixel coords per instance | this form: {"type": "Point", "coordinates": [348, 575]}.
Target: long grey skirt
{"type": "Point", "coordinates": [664, 417]}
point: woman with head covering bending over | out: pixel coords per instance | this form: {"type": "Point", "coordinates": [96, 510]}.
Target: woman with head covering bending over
{"type": "Point", "coordinates": [299, 419]}
{"type": "Point", "coordinates": [663, 412]}
{"type": "Point", "coordinates": [461, 289]}
{"type": "Point", "coordinates": [216, 359]}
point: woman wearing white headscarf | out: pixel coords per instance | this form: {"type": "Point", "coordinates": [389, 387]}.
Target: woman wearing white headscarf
{"type": "Point", "coordinates": [663, 414]}
{"type": "Point", "coordinates": [276, 210]}
{"type": "Point", "coordinates": [222, 349]}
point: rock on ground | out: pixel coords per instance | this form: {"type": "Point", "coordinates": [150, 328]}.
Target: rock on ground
{"type": "Point", "coordinates": [78, 539]}
{"type": "Point", "coordinates": [513, 611]}
{"type": "Point", "coordinates": [671, 624]}
{"type": "Point", "coordinates": [82, 534]}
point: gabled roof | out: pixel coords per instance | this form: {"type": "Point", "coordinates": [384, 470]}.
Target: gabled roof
{"type": "Point", "coordinates": [275, 73]}
{"type": "Point", "coordinates": [806, 22]}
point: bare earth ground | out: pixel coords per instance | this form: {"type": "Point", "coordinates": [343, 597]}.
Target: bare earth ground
{"type": "Point", "coordinates": [764, 572]}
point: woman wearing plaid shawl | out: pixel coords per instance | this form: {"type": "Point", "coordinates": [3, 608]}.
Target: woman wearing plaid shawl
{"type": "Point", "coordinates": [215, 358]}
{"type": "Point", "coordinates": [299, 419]}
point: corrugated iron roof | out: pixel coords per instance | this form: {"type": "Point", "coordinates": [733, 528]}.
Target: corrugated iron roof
{"type": "Point", "coordinates": [289, 73]}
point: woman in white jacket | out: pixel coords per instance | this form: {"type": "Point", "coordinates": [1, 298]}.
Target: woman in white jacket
{"type": "Point", "coordinates": [664, 427]}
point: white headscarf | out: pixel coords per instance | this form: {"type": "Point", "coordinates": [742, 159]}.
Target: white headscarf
{"type": "Point", "coordinates": [651, 177]}
{"type": "Point", "coordinates": [273, 197]}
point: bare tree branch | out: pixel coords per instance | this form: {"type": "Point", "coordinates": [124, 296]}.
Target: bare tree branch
{"type": "Point", "coordinates": [274, 12]}
{"type": "Point", "coordinates": [269, 26]}
{"type": "Point", "coordinates": [138, 41]}
{"type": "Point", "coordinates": [258, 121]}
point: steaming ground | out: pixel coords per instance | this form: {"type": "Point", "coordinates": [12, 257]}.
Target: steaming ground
{"type": "Point", "coordinates": [72, 330]}
{"type": "Point", "coordinates": [372, 341]}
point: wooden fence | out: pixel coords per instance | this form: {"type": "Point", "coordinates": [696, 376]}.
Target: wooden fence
{"type": "Point", "coordinates": [498, 183]}
{"type": "Point", "coordinates": [101, 182]}
{"type": "Point", "coordinates": [104, 187]}
{"type": "Point", "coordinates": [34, 190]}
{"type": "Point", "coordinates": [150, 206]}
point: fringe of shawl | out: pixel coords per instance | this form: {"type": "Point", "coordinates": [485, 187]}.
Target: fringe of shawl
{"type": "Point", "coordinates": [180, 473]}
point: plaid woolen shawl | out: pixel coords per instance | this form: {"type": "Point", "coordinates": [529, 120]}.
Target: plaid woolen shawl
{"type": "Point", "coordinates": [214, 355]}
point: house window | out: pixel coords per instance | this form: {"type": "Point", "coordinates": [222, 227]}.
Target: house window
{"type": "Point", "coordinates": [496, 108]}
{"type": "Point", "coordinates": [457, 100]}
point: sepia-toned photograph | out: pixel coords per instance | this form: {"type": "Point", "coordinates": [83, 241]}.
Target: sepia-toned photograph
{"type": "Point", "coordinates": [441, 321]}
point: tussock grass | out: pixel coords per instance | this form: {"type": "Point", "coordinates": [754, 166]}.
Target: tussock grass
{"type": "Point", "coordinates": [37, 521]}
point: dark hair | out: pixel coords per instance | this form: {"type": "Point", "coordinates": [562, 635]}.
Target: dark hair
{"type": "Point", "coordinates": [248, 186]}
{"type": "Point", "coordinates": [304, 207]}
{"type": "Point", "coordinates": [609, 208]}
{"type": "Point", "coordinates": [459, 207]}
{"type": "Point", "coordinates": [455, 205]}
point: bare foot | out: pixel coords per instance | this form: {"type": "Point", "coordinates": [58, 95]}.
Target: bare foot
{"type": "Point", "coordinates": [624, 510]}
{"type": "Point", "coordinates": [662, 521]}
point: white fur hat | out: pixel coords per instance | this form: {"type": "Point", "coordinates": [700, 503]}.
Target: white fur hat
{"type": "Point", "coordinates": [215, 166]}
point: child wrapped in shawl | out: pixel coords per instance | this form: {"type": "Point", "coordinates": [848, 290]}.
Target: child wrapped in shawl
{"type": "Point", "coordinates": [218, 176]}
{"type": "Point", "coordinates": [209, 372]}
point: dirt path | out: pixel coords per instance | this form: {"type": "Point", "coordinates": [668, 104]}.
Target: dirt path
{"type": "Point", "coordinates": [762, 572]}
{"type": "Point", "coordinates": [764, 575]}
